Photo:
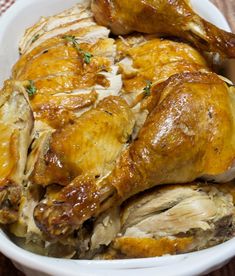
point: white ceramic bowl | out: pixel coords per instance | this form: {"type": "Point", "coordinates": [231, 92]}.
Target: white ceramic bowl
{"type": "Point", "coordinates": [12, 25]}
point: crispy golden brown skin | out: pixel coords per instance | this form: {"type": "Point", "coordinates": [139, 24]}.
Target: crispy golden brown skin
{"type": "Point", "coordinates": [16, 123]}
{"type": "Point", "coordinates": [188, 134]}
{"type": "Point", "coordinates": [164, 17]}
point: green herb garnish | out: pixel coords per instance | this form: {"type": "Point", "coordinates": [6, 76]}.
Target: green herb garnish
{"type": "Point", "coordinates": [31, 89]}
{"type": "Point", "coordinates": [36, 37]}
{"type": "Point", "coordinates": [147, 89]}
{"type": "Point", "coordinates": [86, 55]}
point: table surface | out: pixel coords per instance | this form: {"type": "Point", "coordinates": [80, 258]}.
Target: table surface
{"type": "Point", "coordinates": [228, 9]}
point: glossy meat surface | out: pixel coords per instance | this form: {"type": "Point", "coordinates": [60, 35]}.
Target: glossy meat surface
{"type": "Point", "coordinates": [163, 17]}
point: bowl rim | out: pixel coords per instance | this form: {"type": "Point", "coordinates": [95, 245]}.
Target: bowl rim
{"type": "Point", "coordinates": [184, 264]}
{"type": "Point", "coordinates": [193, 263]}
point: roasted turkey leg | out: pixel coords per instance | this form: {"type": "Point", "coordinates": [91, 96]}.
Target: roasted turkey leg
{"type": "Point", "coordinates": [188, 134]}
{"type": "Point", "coordinates": [163, 17]}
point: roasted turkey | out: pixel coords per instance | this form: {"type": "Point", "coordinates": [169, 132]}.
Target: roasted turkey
{"type": "Point", "coordinates": [94, 126]}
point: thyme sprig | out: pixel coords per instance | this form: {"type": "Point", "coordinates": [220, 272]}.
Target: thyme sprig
{"type": "Point", "coordinates": [31, 88]}
{"type": "Point", "coordinates": [35, 38]}
{"type": "Point", "coordinates": [86, 55]}
{"type": "Point", "coordinates": [147, 89]}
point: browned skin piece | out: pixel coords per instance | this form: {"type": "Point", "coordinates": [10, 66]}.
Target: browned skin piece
{"type": "Point", "coordinates": [64, 210]}
{"type": "Point", "coordinates": [188, 134]}
{"type": "Point", "coordinates": [131, 247]}
{"type": "Point", "coordinates": [163, 17]}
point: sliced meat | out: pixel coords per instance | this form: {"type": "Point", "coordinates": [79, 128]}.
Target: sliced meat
{"type": "Point", "coordinates": [33, 35]}
{"type": "Point", "coordinates": [68, 58]}
{"type": "Point", "coordinates": [175, 219]}
{"type": "Point", "coordinates": [106, 228]}
{"type": "Point", "coordinates": [57, 80]}
{"type": "Point", "coordinates": [16, 123]}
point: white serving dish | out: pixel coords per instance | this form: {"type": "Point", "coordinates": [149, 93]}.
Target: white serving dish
{"type": "Point", "coordinates": [12, 25]}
